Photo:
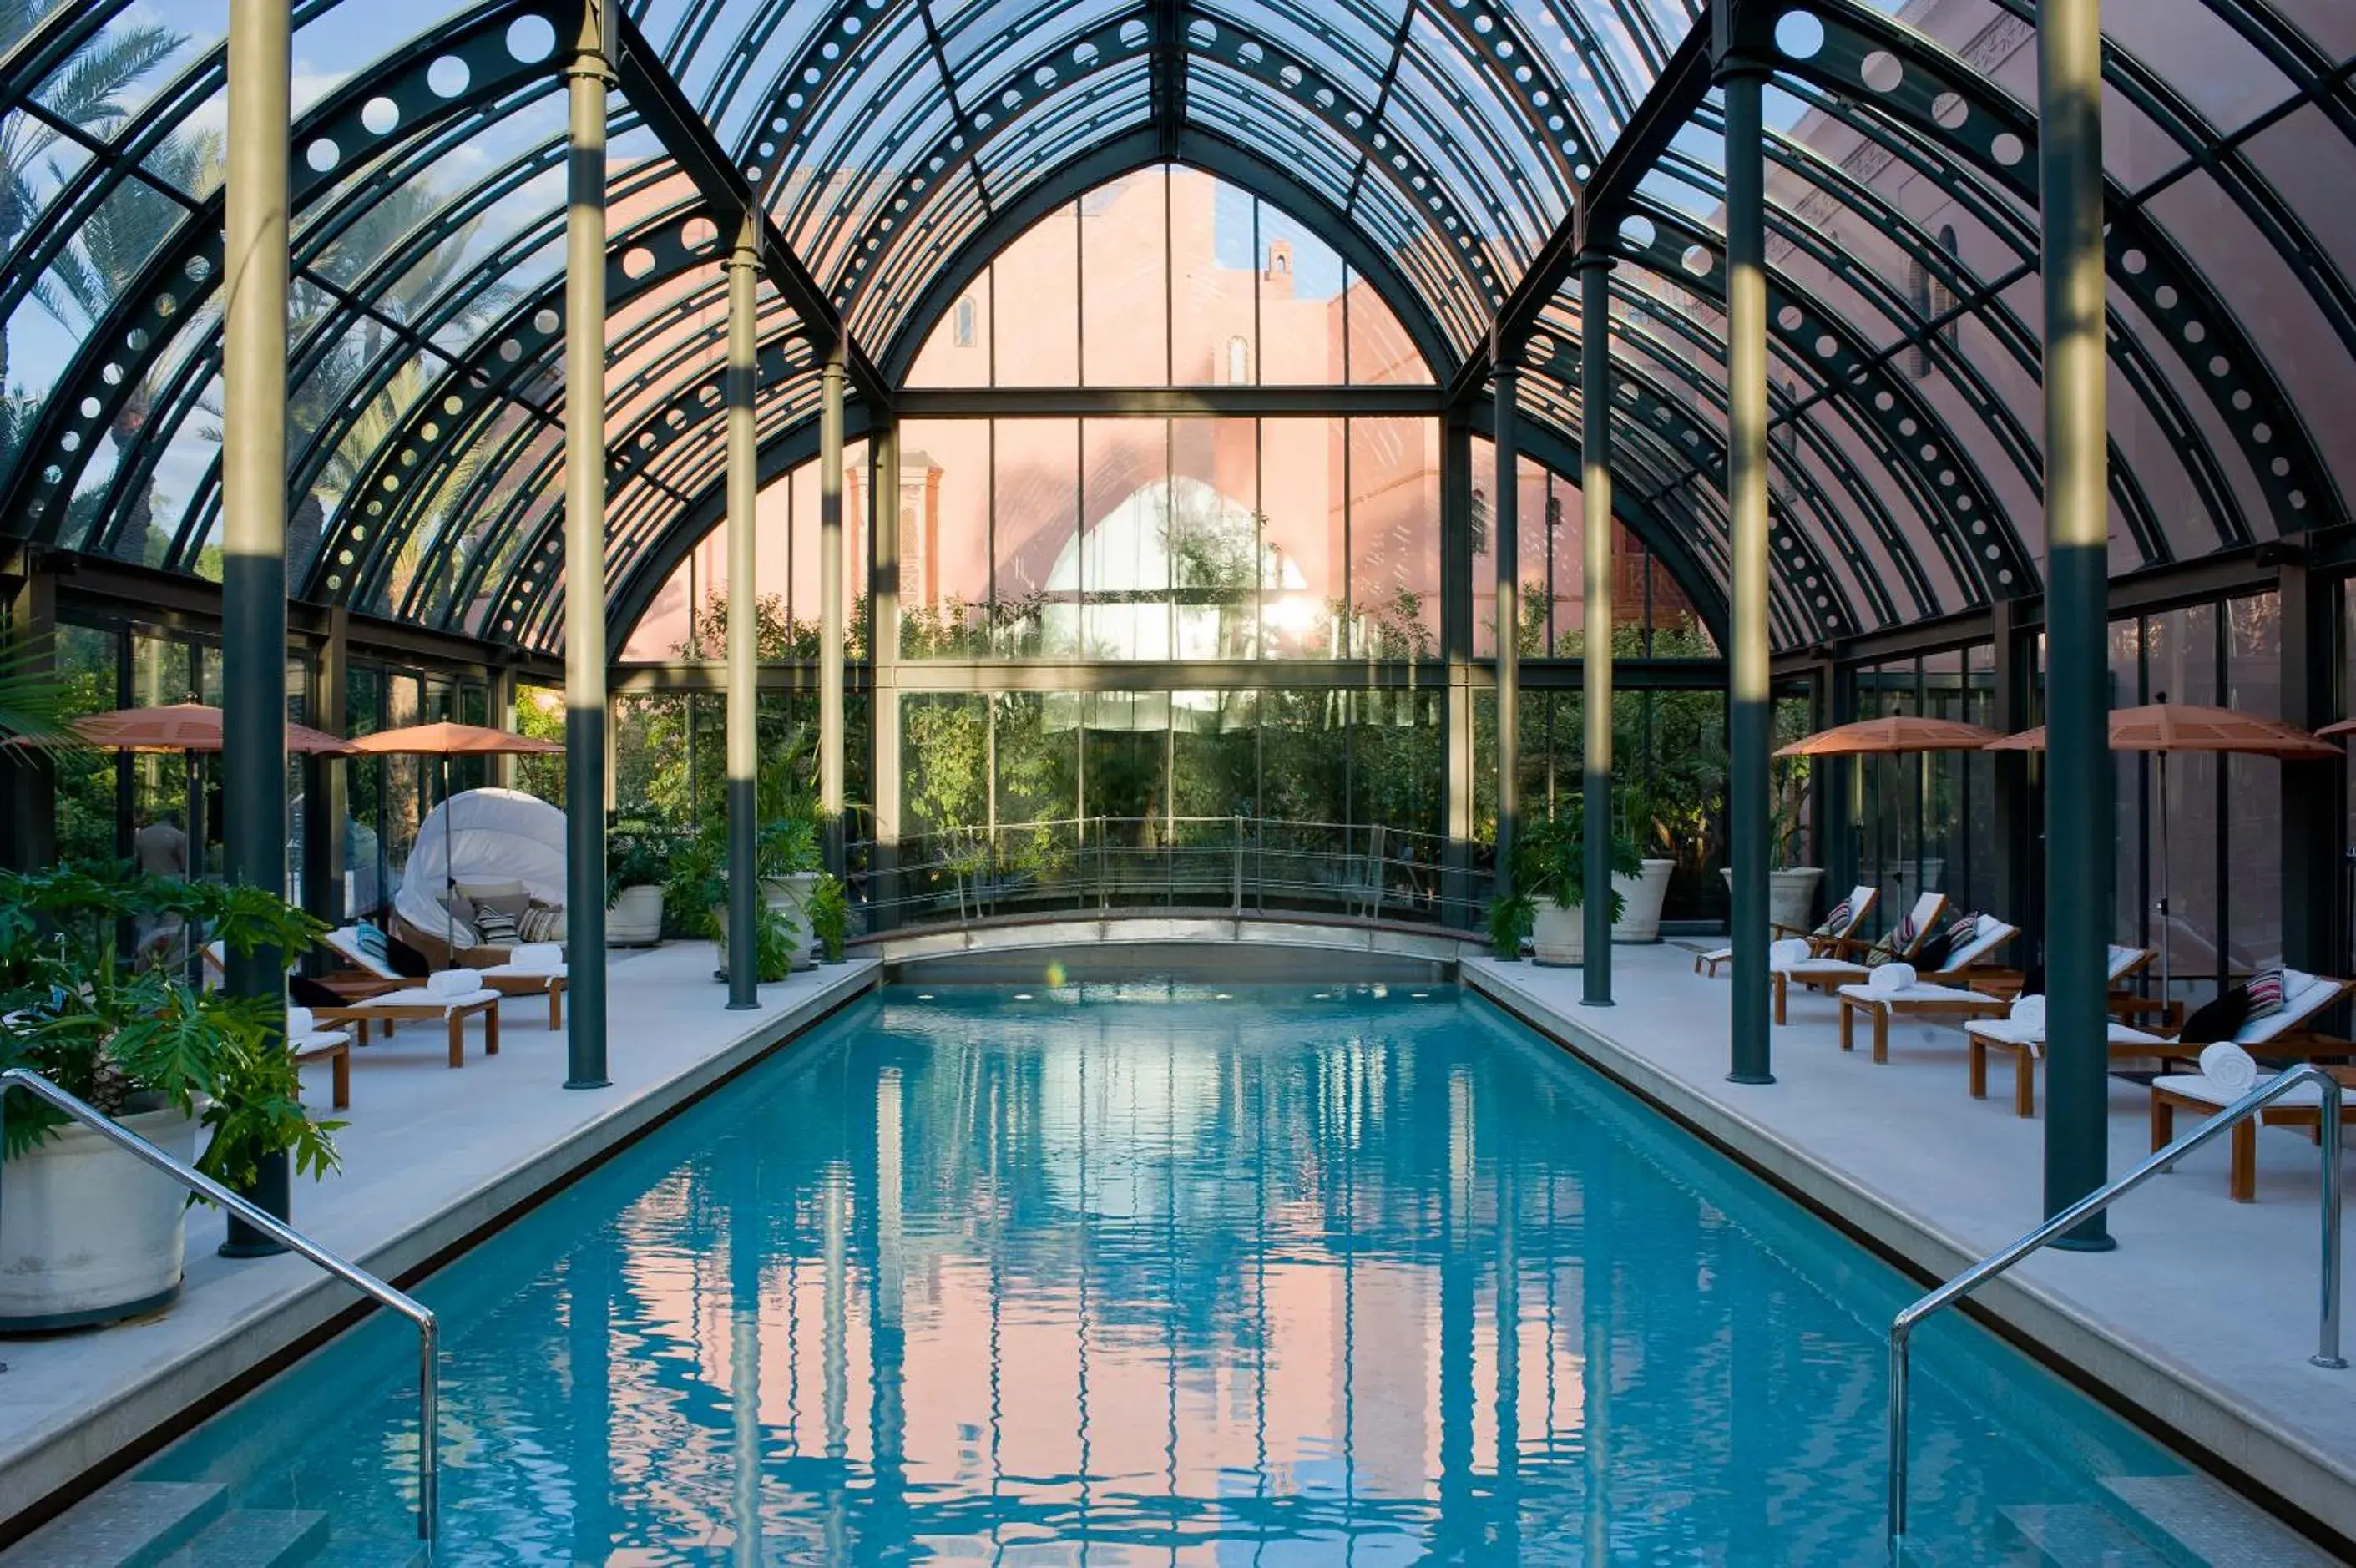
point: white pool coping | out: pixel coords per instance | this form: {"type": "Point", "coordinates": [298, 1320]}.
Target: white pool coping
{"type": "Point", "coordinates": [2204, 1315]}
{"type": "Point", "coordinates": [430, 1156]}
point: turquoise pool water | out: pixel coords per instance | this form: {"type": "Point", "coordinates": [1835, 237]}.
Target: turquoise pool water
{"type": "Point", "coordinates": [1160, 1274]}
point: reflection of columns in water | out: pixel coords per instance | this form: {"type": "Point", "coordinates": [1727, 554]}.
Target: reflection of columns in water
{"type": "Point", "coordinates": [746, 1217]}
{"type": "Point", "coordinates": [887, 1341]}
{"type": "Point", "coordinates": [1595, 1287]}
{"type": "Point", "coordinates": [836, 1199]}
{"type": "Point", "coordinates": [589, 1417]}
{"type": "Point", "coordinates": [1508, 1328]}
{"type": "Point", "coordinates": [1456, 1315]}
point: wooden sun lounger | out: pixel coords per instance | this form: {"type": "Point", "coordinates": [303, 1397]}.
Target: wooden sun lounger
{"type": "Point", "coordinates": [2241, 1182]}
{"type": "Point", "coordinates": [361, 1014]}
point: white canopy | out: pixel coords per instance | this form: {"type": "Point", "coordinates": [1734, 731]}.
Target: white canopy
{"type": "Point", "coordinates": [488, 835]}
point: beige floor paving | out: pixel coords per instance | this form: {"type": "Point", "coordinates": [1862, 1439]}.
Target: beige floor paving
{"type": "Point", "coordinates": [2204, 1315]}
{"type": "Point", "coordinates": [431, 1154]}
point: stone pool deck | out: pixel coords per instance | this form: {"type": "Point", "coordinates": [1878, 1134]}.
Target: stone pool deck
{"type": "Point", "coordinates": [2204, 1315]}
{"type": "Point", "coordinates": [430, 1156]}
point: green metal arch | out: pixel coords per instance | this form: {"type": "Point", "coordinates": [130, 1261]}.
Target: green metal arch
{"type": "Point", "coordinates": [1999, 136]}
{"type": "Point", "coordinates": [183, 273]}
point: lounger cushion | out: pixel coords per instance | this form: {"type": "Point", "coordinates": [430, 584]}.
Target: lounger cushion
{"type": "Point", "coordinates": [424, 996]}
{"type": "Point", "coordinates": [1919, 992]}
{"type": "Point", "coordinates": [2207, 1091]}
{"type": "Point", "coordinates": [2303, 994]}
{"type": "Point", "coordinates": [508, 898]}
{"type": "Point", "coordinates": [2031, 1033]}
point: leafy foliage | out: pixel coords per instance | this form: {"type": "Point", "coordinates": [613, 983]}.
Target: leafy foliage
{"type": "Point", "coordinates": [829, 915]}
{"type": "Point", "coordinates": [1550, 858]}
{"type": "Point", "coordinates": [124, 1032]}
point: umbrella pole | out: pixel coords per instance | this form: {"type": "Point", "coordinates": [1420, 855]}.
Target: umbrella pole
{"type": "Point", "coordinates": [449, 869]}
{"type": "Point", "coordinates": [2167, 936]}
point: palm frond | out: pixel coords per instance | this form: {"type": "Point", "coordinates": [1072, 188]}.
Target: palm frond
{"type": "Point", "coordinates": [34, 698]}
{"type": "Point", "coordinates": [90, 87]}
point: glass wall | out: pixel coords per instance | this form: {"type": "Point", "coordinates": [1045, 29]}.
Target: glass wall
{"type": "Point", "coordinates": [1925, 822]}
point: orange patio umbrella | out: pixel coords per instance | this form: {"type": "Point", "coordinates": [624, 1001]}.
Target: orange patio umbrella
{"type": "Point", "coordinates": [185, 728]}
{"type": "Point", "coordinates": [445, 739]}
{"type": "Point", "coordinates": [1897, 733]}
{"type": "Point", "coordinates": [2165, 728]}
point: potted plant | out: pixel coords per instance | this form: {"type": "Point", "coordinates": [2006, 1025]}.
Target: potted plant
{"type": "Point", "coordinates": [1791, 889]}
{"type": "Point", "coordinates": [88, 1234]}
{"type": "Point", "coordinates": [1509, 926]}
{"type": "Point", "coordinates": [636, 866]}
{"type": "Point", "coordinates": [785, 857]}
{"type": "Point", "coordinates": [1644, 894]}
{"type": "Point", "coordinates": [829, 915]}
{"type": "Point", "coordinates": [1550, 868]}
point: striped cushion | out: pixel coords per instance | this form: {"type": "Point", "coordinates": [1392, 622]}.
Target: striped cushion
{"type": "Point", "coordinates": [1889, 947]}
{"type": "Point", "coordinates": [541, 923]}
{"type": "Point", "coordinates": [2267, 990]}
{"type": "Point", "coordinates": [1836, 923]}
{"type": "Point", "coordinates": [1962, 932]}
{"type": "Point", "coordinates": [497, 929]}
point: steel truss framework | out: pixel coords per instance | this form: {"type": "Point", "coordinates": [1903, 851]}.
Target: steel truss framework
{"type": "Point", "coordinates": [1460, 154]}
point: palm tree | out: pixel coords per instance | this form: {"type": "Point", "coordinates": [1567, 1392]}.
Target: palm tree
{"type": "Point", "coordinates": [87, 91]}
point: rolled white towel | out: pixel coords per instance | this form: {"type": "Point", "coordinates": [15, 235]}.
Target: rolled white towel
{"type": "Point", "coordinates": [2029, 1012]}
{"type": "Point", "coordinates": [452, 983]}
{"type": "Point", "coordinates": [538, 955]}
{"type": "Point", "coordinates": [299, 1021]}
{"type": "Point", "coordinates": [1888, 979]}
{"type": "Point", "coordinates": [2230, 1067]}
{"type": "Point", "coordinates": [1787, 952]}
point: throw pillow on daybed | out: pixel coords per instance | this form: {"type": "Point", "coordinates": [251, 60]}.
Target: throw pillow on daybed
{"type": "Point", "coordinates": [541, 923]}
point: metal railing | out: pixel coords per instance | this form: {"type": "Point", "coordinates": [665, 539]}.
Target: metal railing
{"type": "Point", "coordinates": [429, 1459]}
{"type": "Point", "coordinates": [1235, 864]}
{"type": "Point", "coordinates": [2327, 1352]}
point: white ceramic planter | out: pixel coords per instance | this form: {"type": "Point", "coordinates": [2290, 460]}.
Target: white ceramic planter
{"type": "Point", "coordinates": [1559, 933]}
{"type": "Point", "coordinates": [1790, 894]}
{"type": "Point", "coordinates": [791, 896]}
{"type": "Point", "coordinates": [635, 919]}
{"type": "Point", "coordinates": [88, 1234]}
{"type": "Point", "coordinates": [1641, 898]}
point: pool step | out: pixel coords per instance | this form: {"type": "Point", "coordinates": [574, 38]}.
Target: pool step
{"type": "Point", "coordinates": [130, 1524]}
{"type": "Point", "coordinates": [2081, 1535]}
{"type": "Point", "coordinates": [2215, 1525]}
{"type": "Point", "coordinates": [254, 1537]}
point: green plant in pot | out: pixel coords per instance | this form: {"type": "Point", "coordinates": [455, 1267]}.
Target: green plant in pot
{"type": "Point", "coordinates": [829, 915]}
{"type": "Point", "coordinates": [637, 868]}
{"type": "Point", "coordinates": [1551, 869]}
{"type": "Point", "coordinates": [87, 1234]}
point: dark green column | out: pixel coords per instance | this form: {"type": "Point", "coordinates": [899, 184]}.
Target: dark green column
{"type": "Point", "coordinates": [2081, 845]}
{"type": "Point", "coordinates": [744, 667]}
{"type": "Point", "coordinates": [1506, 550]}
{"type": "Point", "coordinates": [832, 630]}
{"type": "Point", "coordinates": [884, 665]}
{"type": "Point", "coordinates": [1748, 716]}
{"type": "Point", "coordinates": [253, 511]}
{"type": "Point", "coordinates": [1455, 653]}
{"type": "Point", "coordinates": [1596, 651]}
{"type": "Point", "coordinates": [323, 776]}
{"type": "Point", "coordinates": [2016, 818]}
{"type": "Point", "coordinates": [2314, 794]}
{"type": "Point", "coordinates": [588, 79]}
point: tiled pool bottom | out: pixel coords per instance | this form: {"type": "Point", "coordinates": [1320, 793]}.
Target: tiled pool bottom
{"type": "Point", "coordinates": [1118, 1274]}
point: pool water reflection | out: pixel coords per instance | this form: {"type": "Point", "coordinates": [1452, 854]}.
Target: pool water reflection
{"type": "Point", "coordinates": [1125, 1274]}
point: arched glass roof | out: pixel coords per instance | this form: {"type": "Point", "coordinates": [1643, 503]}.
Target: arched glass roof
{"type": "Point", "coordinates": [1439, 147]}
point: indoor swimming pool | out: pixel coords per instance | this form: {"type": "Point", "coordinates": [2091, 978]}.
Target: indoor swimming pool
{"type": "Point", "coordinates": [1154, 1272]}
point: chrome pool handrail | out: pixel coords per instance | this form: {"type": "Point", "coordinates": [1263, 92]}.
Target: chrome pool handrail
{"type": "Point", "coordinates": [2327, 1354]}
{"type": "Point", "coordinates": [429, 1459]}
